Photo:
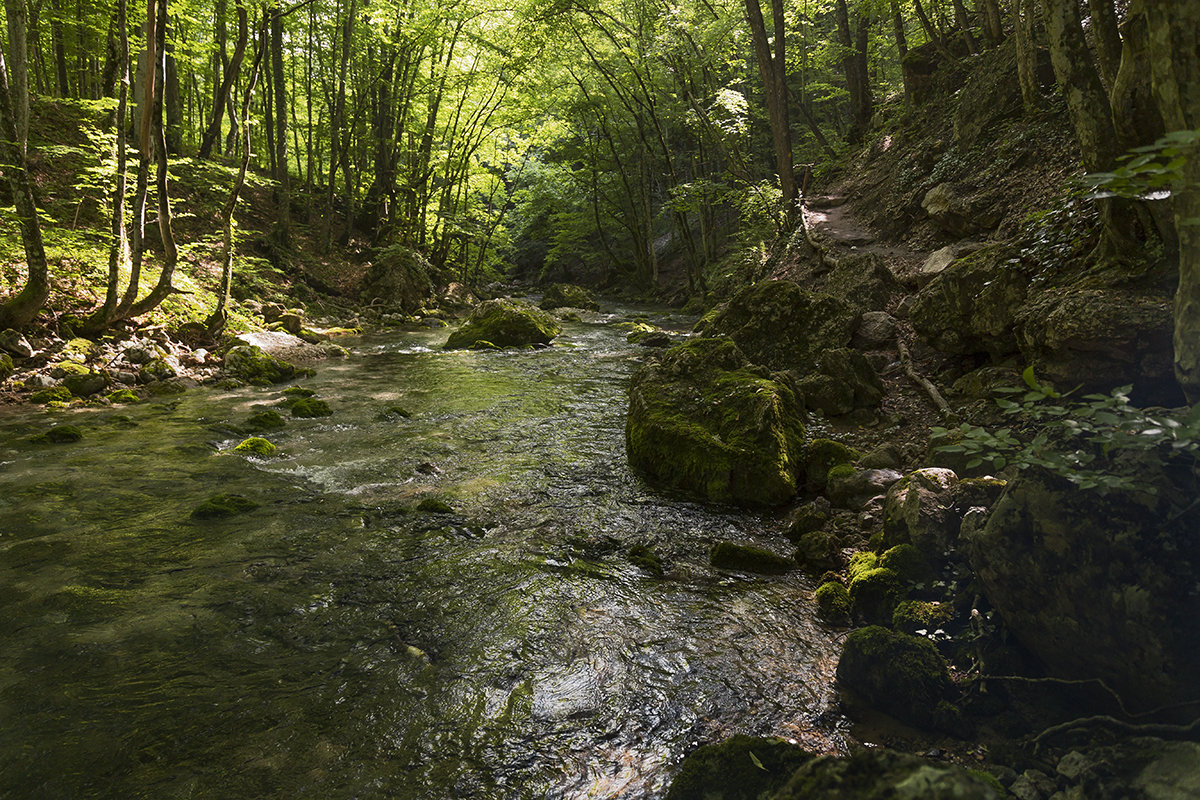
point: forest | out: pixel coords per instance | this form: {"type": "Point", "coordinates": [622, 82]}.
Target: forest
{"type": "Point", "coordinates": [600, 399]}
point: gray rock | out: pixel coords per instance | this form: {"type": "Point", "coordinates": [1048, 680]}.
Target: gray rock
{"type": "Point", "coordinates": [949, 208]}
{"type": "Point", "coordinates": [920, 511]}
{"type": "Point", "coordinates": [877, 331]}
{"type": "Point", "coordinates": [40, 381]}
{"type": "Point", "coordinates": [139, 354]}
{"type": "Point", "coordinates": [292, 322]}
{"type": "Point", "coordinates": [1073, 765]}
{"type": "Point", "coordinates": [940, 260]}
{"type": "Point", "coordinates": [15, 344]}
{"type": "Point", "coordinates": [843, 381]}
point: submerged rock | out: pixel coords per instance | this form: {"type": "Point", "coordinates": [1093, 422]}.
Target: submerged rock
{"type": "Point", "coordinates": [700, 420]}
{"type": "Point", "coordinates": [739, 768]}
{"type": "Point", "coordinates": [568, 295]}
{"type": "Point", "coordinates": [505, 323]}
{"type": "Point", "coordinates": [744, 558]}
{"type": "Point", "coordinates": [310, 408]}
{"type": "Point", "coordinates": [223, 505]}
{"type": "Point", "coordinates": [265, 420]}
{"type": "Point", "coordinates": [59, 434]}
{"type": "Point", "coordinates": [897, 673]}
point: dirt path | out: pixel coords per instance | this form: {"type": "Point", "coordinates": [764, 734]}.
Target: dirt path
{"type": "Point", "coordinates": [831, 222]}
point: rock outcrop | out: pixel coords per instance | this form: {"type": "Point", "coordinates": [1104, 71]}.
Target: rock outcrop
{"type": "Point", "coordinates": [504, 323]}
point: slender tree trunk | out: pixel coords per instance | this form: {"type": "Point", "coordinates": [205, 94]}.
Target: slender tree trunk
{"type": "Point", "coordinates": [864, 102]}
{"type": "Point", "coordinates": [1023, 33]}
{"type": "Point", "coordinates": [964, 26]}
{"type": "Point", "coordinates": [145, 155]}
{"type": "Point", "coordinates": [60, 54]}
{"type": "Point", "coordinates": [1107, 36]}
{"type": "Point", "coordinates": [993, 21]}
{"type": "Point", "coordinates": [17, 42]}
{"type": "Point", "coordinates": [773, 69]}
{"type": "Point", "coordinates": [213, 133]}
{"type": "Point", "coordinates": [283, 196]}
{"type": "Point", "coordinates": [898, 28]}
{"type": "Point", "coordinates": [173, 107]}
{"type": "Point", "coordinates": [337, 122]}
{"type": "Point", "coordinates": [1175, 68]}
{"type": "Point", "coordinates": [22, 307]}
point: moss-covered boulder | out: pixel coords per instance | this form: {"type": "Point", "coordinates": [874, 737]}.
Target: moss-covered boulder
{"type": "Point", "coordinates": [745, 558]}
{"type": "Point", "coordinates": [256, 446]}
{"type": "Point", "coordinates": [265, 420]}
{"type": "Point", "coordinates": [822, 455]}
{"type": "Point", "coordinates": [920, 510]}
{"type": "Point", "coordinates": [434, 505]}
{"type": "Point", "coordinates": [784, 327]}
{"type": "Point", "coordinates": [874, 595]}
{"type": "Point", "coordinates": [310, 408]}
{"type": "Point", "coordinates": [1098, 586]}
{"type": "Point", "coordinates": [924, 616]}
{"type": "Point", "coordinates": [568, 295]}
{"type": "Point", "coordinates": [505, 323]}
{"type": "Point", "coordinates": [649, 336]}
{"type": "Point", "coordinates": [52, 394]}
{"type": "Point", "coordinates": [909, 564]}
{"type": "Point", "coordinates": [833, 603]}
{"type": "Point", "coordinates": [842, 381]}
{"type": "Point", "coordinates": [81, 381]}
{"type": "Point", "coordinates": [59, 434]}
{"type": "Point", "coordinates": [897, 673]}
{"type": "Point", "coordinates": [399, 278]}
{"type": "Point", "coordinates": [124, 396]}
{"type": "Point", "coordinates": [739, 768]}
{"type": "Point", "coordinates": [6, 366]}
{"type": "Point", "coordinates": [223, 505]}
{"type": "Point", "coordinates": [701, 421]}
{"type": "Point", "coordinates": [807, 518]}
{"type": "Point", "coordinates": [817, 551]}
{"type": "Point", "coordinates": [254, 366]}
{"type": "Point", "coordinates": [878, 774]}
{"type": "Point", "coordinates": [862, 562]}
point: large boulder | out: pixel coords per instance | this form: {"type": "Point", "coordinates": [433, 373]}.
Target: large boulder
{"type": "Point", "coordinates": [897, 673]}
{"type": "Point", "coordinates": [920, 510]}
{"type": "Point", "coordinates": [13, 343]}
{"type": "Point", "coordinates": [399, 278]}
{"type": "Point", "coordinates": [1096, 586]}
{"type": "Point", "coordinates": [703, 421]}
{"type": "Point", "coordinates": [252, 365]}
{"type": "Point", "coordinates": [505, 323]}
{"type": "Point", "coordinates": [842, 381]}
{"type": "Point", "coordinates": [878, 774]}
{"type": "Point", "coordinates": [1098, 340]}
{"type": "Point", "coordinates": [863, 279]}
{"type": "Point", "coordinates": [739, 768]}
{"type": "Point", "coordinates": [568, 295]}
{"type": "Point", "coordinates": [957, 212]}
{"type": "Point", "coordinates": [782, 326]}
{"type": "Point", "coordinates": [971, 307]}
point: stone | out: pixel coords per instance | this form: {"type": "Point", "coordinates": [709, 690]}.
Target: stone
{"type": "Point", "coordinates": [808, 518]}
{"type": "Point", "coordinates": [739, 768]}
{"type": "Point", "coordinates": [863, 280]}
{"type": "Point", "coordinates": [1096, 340]}
{"type": "Point", "coordinates": [833, 603]}
{"type": "Point", "coordinates": [251, 364]}
{"type": "Point", "coordinates": [781, 326]}
{"type": "Point", "coordinates": [879, 774]}
{"type": "Point", "coordinates": [433, 505]}
{"type": "Point", "coordinates": [897, 673]}
{"type": "Point", "coordinates": [702, 421]}
{"type": "Point", "coordinates": [1096, 586]}
{"type": "Point", "coordinates": [568, 295]}
{"type": "Point", "coordinates": [271, 312]}
{"type": "Point", "coordinates": [874, 595]}
{"type": "Point", "coordinates": [123, 396]}
{"type": "Point", "coordinates": [310, 408]}
{"type": "Point", "coordinates": [908, 563]}
{"type": "Point", "coordinates": [51, 394]}
{"type": "Point", "coordinates": [744, 558]}
{"type": "Point", "coordinates": [505, 323]}
{"type": "Point", "coordinates": [139, 353]}
{"type": "Point", "coordinates": [971, 308]}
{"type": "Point", "coordinates": [6, 366]}
{"type": "Point", "coordinates": [940, 260]}
{"type": "Point", "coordinates": [877, 331]}
{"type": "Point", "coordinates": [86, 383]}
{"type": "Point", "coordinates": [292, 322]}
{"type": "Point", "coordinates": [919, 510]}
{"type": "Point", "coordinates": [59, 434]}
{"type": "Point", "coordinates": [918, 617]}
{"type": "Point", "coordinates": [843, 381]}
{"type": "Point", "coordinates": [400, 278]}
{"type": "Point", "coordinates": [223, 505]}
{"type": "Point", "coordinates": [256, 446]}
{"type": "Point", "coordinates": [950, 208]}
{"type": "Point", "coordinates": [265, 420]}
{"type": "Point", "coordinates": [817, 551]}
{"type": "Point", "coordinates": [13, 343]}
{"type": "Point", "coordinates": [158, 369]}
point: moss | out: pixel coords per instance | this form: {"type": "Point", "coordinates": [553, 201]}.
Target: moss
{"type": "Point", "coordinates": [918, 615]}
{"type": "Point", "coordinates": [59, 434]}
{"type": "Point", "coordinates": [59, 394]}
{"type": "Point", "coordinates": [256, 446]}
{"type": "Point", "coordinates": [223, 505]}
{"type": "Point", "coordinates": [6, 366]}
{"type": "Point", "coordinates": [744, 558]}
{"type": "Point", "coordinates": [702, 421]}
{"type": "Point", "coordinates": [817, 551]}
{"type": "Point", "coordinates": [833, 603]}
{"type": "Point", "coordinates": [433, 505]}
{"type": "Point", "coordinates": [908, 563]}
{"type": "Point", "coordinates": [251, 364]}
{"type": "Point", "coordinates": [644, 557]}
{"type": "Point", "coordinates": [989, 779]}
{"type": "Point", "coordinates": [901, 674]}
{"type": "Point", "coordinates": [568, 295]}
{"type": "Point", "coordinates": [739, 768]}
{"type": "Point", "coordinates": [822, 456]}
{"type": "Point", "coordinates": [806, 519]}
{"type": "Point", "coordinates": [166, 388]}
{"type": "Point", "coordinates": [874, 595]}
{"type": "Point", "coordinates": [311, 408]}
{"type": "Point", "coordinates": [505, 323]}
{"type": "Point", "coordinates": [156, 370]}
{"type": "Point", "coordinates": [483, 344]}
{"type": "Point", "coordinates": [397, 411]}
{"type": "Point", "coordinates": [862, 562]}
{"type": "Point", "coordinates": [265, 420]}
{"type": "Point", "coordinates": [124, 396]}
{"type": "Point", "coordinates": [299, 392]}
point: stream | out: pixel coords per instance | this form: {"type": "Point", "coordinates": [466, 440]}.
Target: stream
{"type": "Point", "coordinates": [336, 643]}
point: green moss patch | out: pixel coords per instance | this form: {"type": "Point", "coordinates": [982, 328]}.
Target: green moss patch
{"type": "Point", "coordinates": [433, 505]}
{"type": "Point", "coordinates": [254, 366]}
{"type": "Point", "coordinates": [874, 595]}
{"type": "Point", "coordinates": [739, 768]}
{"type": "Point", "coordinates": [744, 558]}
{"type": "Point", "coordinates": [59, 394]}
{"type": "Point", "coordinates": [59, 434]}
{"type": "Point", "coordinates": [833, 603]}
{"type": "Point", "coordinates": [644, 557]}
{"type": "Point", "coordinates": [223, 505]}
{"type": "Point", "coordinates": [265, 420]}
{"type": "Point", "coordinates": [901, 674]}
{"type": "Point", "coordinates": [256, 446]}
{"type": "Point", "coordinates": [311, 408]}
{"type": "Point", "coordinates": [567, 295]}
{"type": "Point", "coordinates": [505, 323]}
{"type": "Point", "coordinates": [123, 396]}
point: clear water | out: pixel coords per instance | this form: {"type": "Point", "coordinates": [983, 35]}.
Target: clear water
{"type": "Point", "coordinates": [336, 644]}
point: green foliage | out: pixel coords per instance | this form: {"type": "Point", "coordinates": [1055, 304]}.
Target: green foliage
{"type": "Point", "coordinates": [1087, 442]}
{"type": "Point", "coordinates": [1147, 173]}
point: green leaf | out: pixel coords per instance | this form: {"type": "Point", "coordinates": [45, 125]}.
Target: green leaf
{"type": "Point", "coordinates": [757, 763]}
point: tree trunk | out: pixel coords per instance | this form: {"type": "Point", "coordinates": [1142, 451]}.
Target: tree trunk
{"type": "Point", "coordinates": [60, 54]}
{"type": "Point", "coordinates": [1107, 36]}
{"type": "Point", "coordinates": [993, 21]}
{"type": "Point", "coordinates": [898, 28]}
{"type": "Point", "coordinates": [17, 42]}
{"type": "Point", "coordinates": [213, 133]}
{"type": "Point", "coordinates": [964, 26]}
{"type": "Point", "coordinates": [336, 123]}
{"type": "Point", "coordinates": [853, 60]}
{"type": "Point", "coordinates": [283, 195]}
{"type": "Point", "coordinates": [173, 107]}
{"type": "Point", "coordinates": [22, 307]}
{"type": "Point", "coordinates": [1175, 69]}
{"type": "Point", "coordinates": [145, 155]}
{"type": "Point", "coordinates": [1031, 96]}
{"type": "Point", "coordinates": [863, 101]}
{"type": "Point", "coordinates": [774, 74]}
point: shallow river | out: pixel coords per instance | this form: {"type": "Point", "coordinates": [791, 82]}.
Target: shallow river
{"type": "Point", "coordinates": [334, 643]}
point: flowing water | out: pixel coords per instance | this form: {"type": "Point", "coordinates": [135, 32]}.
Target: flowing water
{"type": "Point", "coordinates": [336, 643]}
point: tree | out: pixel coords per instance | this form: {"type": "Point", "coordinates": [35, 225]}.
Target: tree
{"type": "Point", "coordinates": [773, 70]}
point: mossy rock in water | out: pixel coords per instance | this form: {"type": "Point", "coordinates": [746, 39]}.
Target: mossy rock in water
{"type": "Point", "coordinates": [59, 434]}
{"type": "Point", "coordinates": [782, 326]}
{"type": "Point", "coordinates": [397, 411]}
{"type": "Point", "coordinates": [6, 366]}
{"type": "Point", "coordinates": [568, 295]}
{"type": "Point", "coordinates": [739, 768]}
{"type": "Point", "coordinates": [311, 408]}
{"type": "Point", "coordinates": [727, 555]}
{"type": "Point", "coordinates": [644, 557]}
{"type": "Point", "coordinates": [919, 615]}
{"type": "Point", "coordinates": [433, 505]}
{"type": "Point", "coordinates": [254, 366]}
{"type": "Point", "coordinates": [879, 774]}
{"type": "Point", "coordinates": [223, 505]}
{"type": "Point", "coordinates": [833, 603]}
{"type": "Point", "coordinates": [908, 563]}
{"type": "Point", "coordinates": [124, 396]}
{"type": "Point", "coordinates": [299, 392]}
{"type": "Point", "coordinates": [862, 562]}
{"type": "Point", "coordinates": [897, 673]}
{"type": "Point", "coordinates": [265, 420]}
{"type": "Point", "coordinates": [874, 595]}
{"type": "Point", "coordinates": [256, 446]}
{"type": "Point", "coordinates": [505, 323]}
{"type": "Point", "coordinates": [702, 421]}
{"type": "Point", "coordinates": [648, 336]}
{"type": "Point", "coordinates": [806, 519]}
{"type": "Point", "coordinates": [817, 551]}
{"type": "Point", "coordinates": [59, 394]}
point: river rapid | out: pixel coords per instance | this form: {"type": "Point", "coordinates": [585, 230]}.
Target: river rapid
{"type": "Point", "coordinates": [336, 643]}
